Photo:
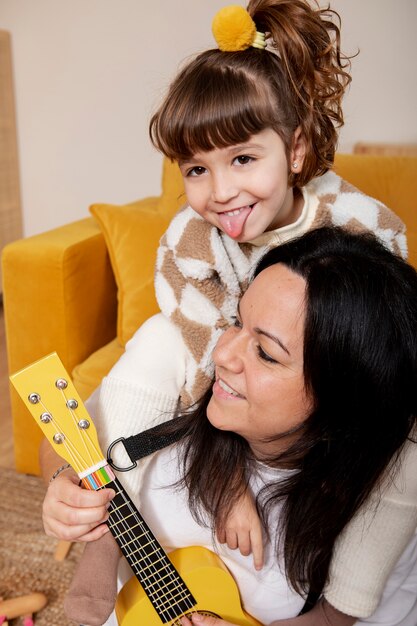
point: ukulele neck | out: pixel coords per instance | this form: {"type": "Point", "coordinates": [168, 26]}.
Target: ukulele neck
{"type": "Point", "coordinates": [161, 582]}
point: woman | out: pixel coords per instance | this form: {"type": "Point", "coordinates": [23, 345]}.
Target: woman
{"type": "Point", "coordinates": [313, 400]}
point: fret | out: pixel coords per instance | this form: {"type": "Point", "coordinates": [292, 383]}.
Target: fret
{"type": "Point", "coordinates": [148, 555]}
{"type": "Point", "coordinates": [162, 578]}
{"type": "Point", "coordinates": [146, 545]}
{"type": "Point", "coordinates": [127, 543]}
{"type": "Point", "coordinates": [119, 535]}
{"type": "Point", "coordinates": [168, 594]}
{"type": "Point", "coordinates": [172, 608]}
{"type": "Point", "coordinates": [172, 611]}
{"type": "Point", "coordinates": [145, 567]}
{"type": "Point", "coordinates": [146, 580]}
{"type": "Point", "coordinates": [114, 524]}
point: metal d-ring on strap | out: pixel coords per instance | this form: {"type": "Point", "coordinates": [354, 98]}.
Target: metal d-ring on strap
{"type": "Point", "coordinates": [145, 443]}
{"type": "Point", "coordinates": [110, 461]}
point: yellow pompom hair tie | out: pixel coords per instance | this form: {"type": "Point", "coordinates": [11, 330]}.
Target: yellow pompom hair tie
{"type": "Point", "coordinates": [234, 30]}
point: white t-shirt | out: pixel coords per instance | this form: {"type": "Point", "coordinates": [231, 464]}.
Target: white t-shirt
{"type": "Point", "coordinates": [266, 594]}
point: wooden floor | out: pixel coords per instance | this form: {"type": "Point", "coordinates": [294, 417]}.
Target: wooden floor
{"type": "Point", "coordinates": [6, 432]}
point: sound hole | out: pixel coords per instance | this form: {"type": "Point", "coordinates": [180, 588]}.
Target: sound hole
{"type": "Point", "coordinates": [202, 612]}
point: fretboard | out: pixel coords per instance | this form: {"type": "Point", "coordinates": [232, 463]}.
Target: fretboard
{"type": "Point", "coordinates": [160, 580]}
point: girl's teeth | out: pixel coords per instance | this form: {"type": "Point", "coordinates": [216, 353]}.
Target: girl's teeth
{"type": "Point", "coordinates": [226, 387]}
{"type": "Point", "coordinates": [235, 211]}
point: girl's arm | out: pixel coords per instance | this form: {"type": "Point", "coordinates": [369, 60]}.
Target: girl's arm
{"type": "Point", "coordinates": [141, 391]}
{"type": "Point", "coordinates": [243, 530]}
{"type": "Point", "coordinates": [373, 541]}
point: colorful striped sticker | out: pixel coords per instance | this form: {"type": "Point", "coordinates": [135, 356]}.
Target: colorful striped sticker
{"type": "Point", "coordinates": [98, 479]}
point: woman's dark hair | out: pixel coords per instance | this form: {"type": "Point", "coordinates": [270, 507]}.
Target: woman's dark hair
{"type": "Point", "coordinates": [360, 370]}
{"type": "Point", "coordinates": [222, 98]}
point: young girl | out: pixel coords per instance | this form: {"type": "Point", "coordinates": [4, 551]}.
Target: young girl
{"type": "Point", "coordinates": [253, 127]}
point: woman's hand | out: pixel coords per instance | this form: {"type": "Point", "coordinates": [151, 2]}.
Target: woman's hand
{"type": "Point", "coordinates": [204, 620]}
{"type": "Point", "coordinates": [72, 513]}
{"type": "Point", "coordinates": [243, 530]}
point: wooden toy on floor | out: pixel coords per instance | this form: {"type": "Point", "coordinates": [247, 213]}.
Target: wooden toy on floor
{"type": "Point", "coordinates": [22, 606]}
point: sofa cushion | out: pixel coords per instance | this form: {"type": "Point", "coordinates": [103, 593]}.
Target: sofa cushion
{"type": "Point", "coordinates": [132, 233]}
{"type": "Point", "coordinates": [390, 179]}
{"type": "Point", "coordinates": [88, 375]}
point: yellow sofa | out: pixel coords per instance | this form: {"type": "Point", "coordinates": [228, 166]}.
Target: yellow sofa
{"type": "Point", "coordinates": [81, 290]}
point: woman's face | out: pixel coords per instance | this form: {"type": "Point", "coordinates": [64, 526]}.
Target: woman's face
{"type": "Point", "coordinates": [259, 389]}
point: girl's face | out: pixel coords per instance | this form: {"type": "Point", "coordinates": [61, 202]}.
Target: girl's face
{"type": "Point", "coordinates": [259, 390]}
{"type": "Point", "coordinates": [243, 189]}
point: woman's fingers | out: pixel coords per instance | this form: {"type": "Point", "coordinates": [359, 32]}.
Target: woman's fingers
{"type": "Point", "coordinates": [72, 513]}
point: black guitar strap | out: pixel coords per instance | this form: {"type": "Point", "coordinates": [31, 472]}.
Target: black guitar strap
{"type": "Point", "coordinates": [143, 444]}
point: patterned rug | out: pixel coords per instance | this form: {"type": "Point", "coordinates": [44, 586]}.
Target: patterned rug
{"type": "Point", "coordinates": [27, 561]}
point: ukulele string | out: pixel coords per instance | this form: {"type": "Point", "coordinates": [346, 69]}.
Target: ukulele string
{"type": "Point", "coordinates": [132, 542]}
{"type": "Point", "coordinates": [84, 434]}
{"type": "Point", "coordinates": [77, 460]}
{"type": "Point", "coordinates": [167, 570]}
{"type": "Point", "coordinates": [153, 571]}
{"type": "Point", "coordinates": [143, 556]}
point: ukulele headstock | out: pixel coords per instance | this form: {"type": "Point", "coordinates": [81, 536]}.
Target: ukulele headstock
{"type": "Point", "coordinates": [48, 392]}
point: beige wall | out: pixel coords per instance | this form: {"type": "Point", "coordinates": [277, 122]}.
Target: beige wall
{"type": "Point", "coordinates": [89, 72]}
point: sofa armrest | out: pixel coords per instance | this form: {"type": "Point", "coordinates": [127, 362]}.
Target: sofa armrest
{"type": "Point", "coordinates": [59, 295]}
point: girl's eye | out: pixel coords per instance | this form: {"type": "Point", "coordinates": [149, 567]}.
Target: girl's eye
{"type": "Point", "coordinates": [243, 159]}
{"type": "Point", "coordinates": [196, 171]}
{"type": "Point", "coordinates": [264, 356]}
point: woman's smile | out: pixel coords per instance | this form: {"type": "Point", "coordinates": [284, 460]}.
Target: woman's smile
{"type": "Point", "coordinates": [224, 390]}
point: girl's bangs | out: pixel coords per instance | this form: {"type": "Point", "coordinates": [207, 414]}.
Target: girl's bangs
{"type": "Point", "coordinates": [215, 114]}
{"type": "Point", "coordinates": [231, 124]}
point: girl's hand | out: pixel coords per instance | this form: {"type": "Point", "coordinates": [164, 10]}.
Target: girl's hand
{"type": "Point", "coordinates": [204, 620]}
{"type": "Point", "coordinates": [243, 530]}
{"type": "Point", "coordinates": [72, 513]}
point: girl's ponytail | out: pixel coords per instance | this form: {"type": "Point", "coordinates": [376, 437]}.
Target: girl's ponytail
{"type": "Point", "coordinates": [224, 96]}
{"type": "Point", "coordinates": [308, 43]}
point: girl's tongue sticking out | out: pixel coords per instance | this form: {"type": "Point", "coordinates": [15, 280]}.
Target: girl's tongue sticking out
{"type": "Point", "coordinates": [233, 222]}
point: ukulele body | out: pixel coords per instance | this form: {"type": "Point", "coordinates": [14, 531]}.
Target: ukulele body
{"type": "Point", "coordinates": [206, 577]}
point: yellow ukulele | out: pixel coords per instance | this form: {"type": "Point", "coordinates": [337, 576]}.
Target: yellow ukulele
{"type": "Point", "coordinates": [165, 587]}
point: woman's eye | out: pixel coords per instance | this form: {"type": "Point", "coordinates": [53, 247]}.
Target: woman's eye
{"type": "Point", "coordinates": [243, 159]}
{"type": "Point", "coordinates": [196, 171]}
{"type": "Point", "coordinates": [265, 356]}
{"type": "Point", "coordinates": [236, 322]}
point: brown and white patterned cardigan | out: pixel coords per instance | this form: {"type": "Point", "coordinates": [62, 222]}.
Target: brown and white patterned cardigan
{"type": "Point", "coordinates": [201, 272]}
